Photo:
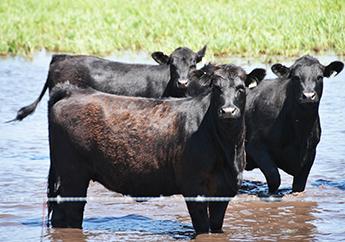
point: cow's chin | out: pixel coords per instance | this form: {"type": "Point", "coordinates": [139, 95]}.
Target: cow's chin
{"type": "Point", "coordinates": [308, 104]}
{"type": "Point", "coordinates": [182, 86]}
{"type": "Point", "coordinates": [228, 117]}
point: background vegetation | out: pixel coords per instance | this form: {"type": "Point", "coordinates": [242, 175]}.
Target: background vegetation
{"type": "Point", "coordinates": [241, 28]}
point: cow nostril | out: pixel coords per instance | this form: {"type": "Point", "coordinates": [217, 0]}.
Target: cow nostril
{"type": "Point", "coordinates": [230, 110]}
{"type": "Point", "coordinates": [309, 95]}
{"type": "Point", "coordinates": [183, 82]}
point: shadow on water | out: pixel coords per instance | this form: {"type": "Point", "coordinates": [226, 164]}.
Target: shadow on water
{"type": "Point", "coordinates": [322, 182]}
{"type": "Point", "coordinates": [139, 223]}
{"type": "Point", "coordinates": [128, 224]}
{"type": "Point", "coordinates": [260, 189]}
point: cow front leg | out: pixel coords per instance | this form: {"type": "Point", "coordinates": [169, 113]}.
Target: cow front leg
{"type": "Point", "coordinates": [217, 212]}
{"type": "Point", "coordinates": [199, 216]}
{"type": "Point", "coordinates": [262, 158]}
{"type": "Point", "coordinates": [300, 180]}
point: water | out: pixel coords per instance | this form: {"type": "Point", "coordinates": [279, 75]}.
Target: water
{"type": "Point", "coordinates": [318, 214]}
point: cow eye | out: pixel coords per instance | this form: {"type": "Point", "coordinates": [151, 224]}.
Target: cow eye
{"type": "Point", "coordinates": [239, 91]}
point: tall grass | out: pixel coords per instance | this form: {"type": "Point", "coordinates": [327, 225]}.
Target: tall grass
{"type": "Point", "coordinates": [243, 28]}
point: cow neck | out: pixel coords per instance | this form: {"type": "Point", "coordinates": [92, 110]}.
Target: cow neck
{"type": "Point", "coordinates": [223, 133]}
{"type": "Point", "coordinates": [302, 119]}
{"type": "Point", "coordinates": [171, 89]}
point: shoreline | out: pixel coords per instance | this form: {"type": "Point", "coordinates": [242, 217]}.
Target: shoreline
{"type": "Point", "coordinates": [144, 57]}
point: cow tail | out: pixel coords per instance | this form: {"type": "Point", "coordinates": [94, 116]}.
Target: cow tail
{"type": "Point", "coordinates": [29, 109]}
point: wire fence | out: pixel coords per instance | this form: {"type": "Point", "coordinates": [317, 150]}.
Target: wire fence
{"type": "Point", "coordinates": [130, 199]}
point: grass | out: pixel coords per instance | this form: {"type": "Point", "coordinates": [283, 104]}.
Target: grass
{"type": "Point", "coordinates": [240, 28]}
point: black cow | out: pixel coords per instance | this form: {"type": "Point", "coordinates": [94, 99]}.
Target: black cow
{"type": "Point", "coordinates": [170, 78]}
{"type": "Point", "coordinates": [282, 120]}
{"type": "Point", "coordinates": [148, 147]}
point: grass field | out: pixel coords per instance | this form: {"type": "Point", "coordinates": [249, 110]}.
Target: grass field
{"type": "Point", "coordinates": [240, 28]}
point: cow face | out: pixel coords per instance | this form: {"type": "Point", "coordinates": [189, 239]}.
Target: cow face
{"type": "Point", "coordinates": [229, 93]}
{"type": "Point", "coordinates": [182, 61]}
{"type": "Point", "coordinates": [306, 75]}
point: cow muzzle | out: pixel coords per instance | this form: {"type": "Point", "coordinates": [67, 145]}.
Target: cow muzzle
{"type": "Point", "coordinates": [183, 83]}
{"type": "Point", "coordinates": [229, 112]}
{"type": "Point", "coordinates": [309, 97]}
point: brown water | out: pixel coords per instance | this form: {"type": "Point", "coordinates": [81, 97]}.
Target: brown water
{"type": "Point", "coordinates": [318, 214]}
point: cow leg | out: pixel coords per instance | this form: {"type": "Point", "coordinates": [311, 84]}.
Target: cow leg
{"type": "Point", "coordinates": [68, 177]}
{"type": "Point", "coordinates": [217, 212]}
{"type": "Point", "coordinates": [70, 214]}
{"type": "Point", "coordinates": [300, 180]}
{"type": "Point", "coordinates": [199, 216]}
{"type": "Point", "coordinates": [262, 158]}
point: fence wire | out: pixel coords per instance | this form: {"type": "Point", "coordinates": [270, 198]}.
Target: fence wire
{"type": "Point", "coordinates": [130, 199]}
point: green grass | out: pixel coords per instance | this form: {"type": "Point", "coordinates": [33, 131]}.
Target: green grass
{"type": "Point", "coordinates": [247, 28]}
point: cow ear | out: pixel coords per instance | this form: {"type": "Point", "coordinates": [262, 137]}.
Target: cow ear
{"type": "Point", "coordinates": [206, 81]}
{"type": "Point", "coordinates": [280, 70]}
{"type": "Point", "coordinates": [335, 66]}
{"type": "Point", "coordinates": [160, 57]}
{"type": "Point", "coordinates": [255, 77]}
{"type": "Point", "coordinates": [200, 54]}
{"type": "Point", "coordinates": [209, 68]}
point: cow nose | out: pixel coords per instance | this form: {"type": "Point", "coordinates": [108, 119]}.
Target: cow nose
{"type": "Point", "coordinates": [309, 95]}
{"type": "Point", "coordinates": [230, 111]}
{"type": "Point", "coordinates": [183, 82]}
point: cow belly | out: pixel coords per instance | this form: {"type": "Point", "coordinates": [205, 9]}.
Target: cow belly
{"type": "Point", "coordinates": [289, 159]}
{"type": "Point", "coordinates": [136, 183]}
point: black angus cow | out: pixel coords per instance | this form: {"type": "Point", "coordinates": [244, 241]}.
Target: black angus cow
{"type": "Point", "coordinates": [282, 120]}
{"type": "Point", "coordinates": [169, 79]}
{"type": "Point", "coordinates": [148, 147]}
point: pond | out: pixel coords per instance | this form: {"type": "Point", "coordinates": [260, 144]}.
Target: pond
{"type": "Point", "coordinates": [316, 214]}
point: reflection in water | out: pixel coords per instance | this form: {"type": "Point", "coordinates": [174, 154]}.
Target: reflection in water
{"type": "Point", "coordinates": [250, 218]}
{"type": "Point", "coordinates": [55, 235]}
{"type": "Point", "coordinates": [263, 221]}
{"type": "Point", "coordinates": [323, 182]}
{"type": "Point", "coordinates": [316, 214]}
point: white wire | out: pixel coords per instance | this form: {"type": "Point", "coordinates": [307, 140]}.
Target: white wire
{"type": "Point", "coordinates": [129, 199]}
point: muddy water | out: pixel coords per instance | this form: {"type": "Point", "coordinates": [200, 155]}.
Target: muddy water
{"type": "Point", "coordinates": [317, 214]}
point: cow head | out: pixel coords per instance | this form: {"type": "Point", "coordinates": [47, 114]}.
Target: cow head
{"type": "Point", "coordinates": [197, 77]}
{"type": "Point", "coordinates": [181, 61]}
{"type": "Point", "coordinates": [306, 75]}
{"type": "Point", "coordinates": [229, 93]}
{"type": "Point", "coordinates": [232, 94]}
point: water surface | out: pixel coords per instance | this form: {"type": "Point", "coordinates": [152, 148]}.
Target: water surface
{"type": "Point", "coordinates": [318, 214]}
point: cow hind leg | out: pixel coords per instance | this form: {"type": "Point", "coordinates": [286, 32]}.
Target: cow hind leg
{"type": "Point", "coordinates": [69, 214]}
{"type": "Point", "coordinates": [68, 177]}
{"type": "Point", "coordinates": [217, 212]}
